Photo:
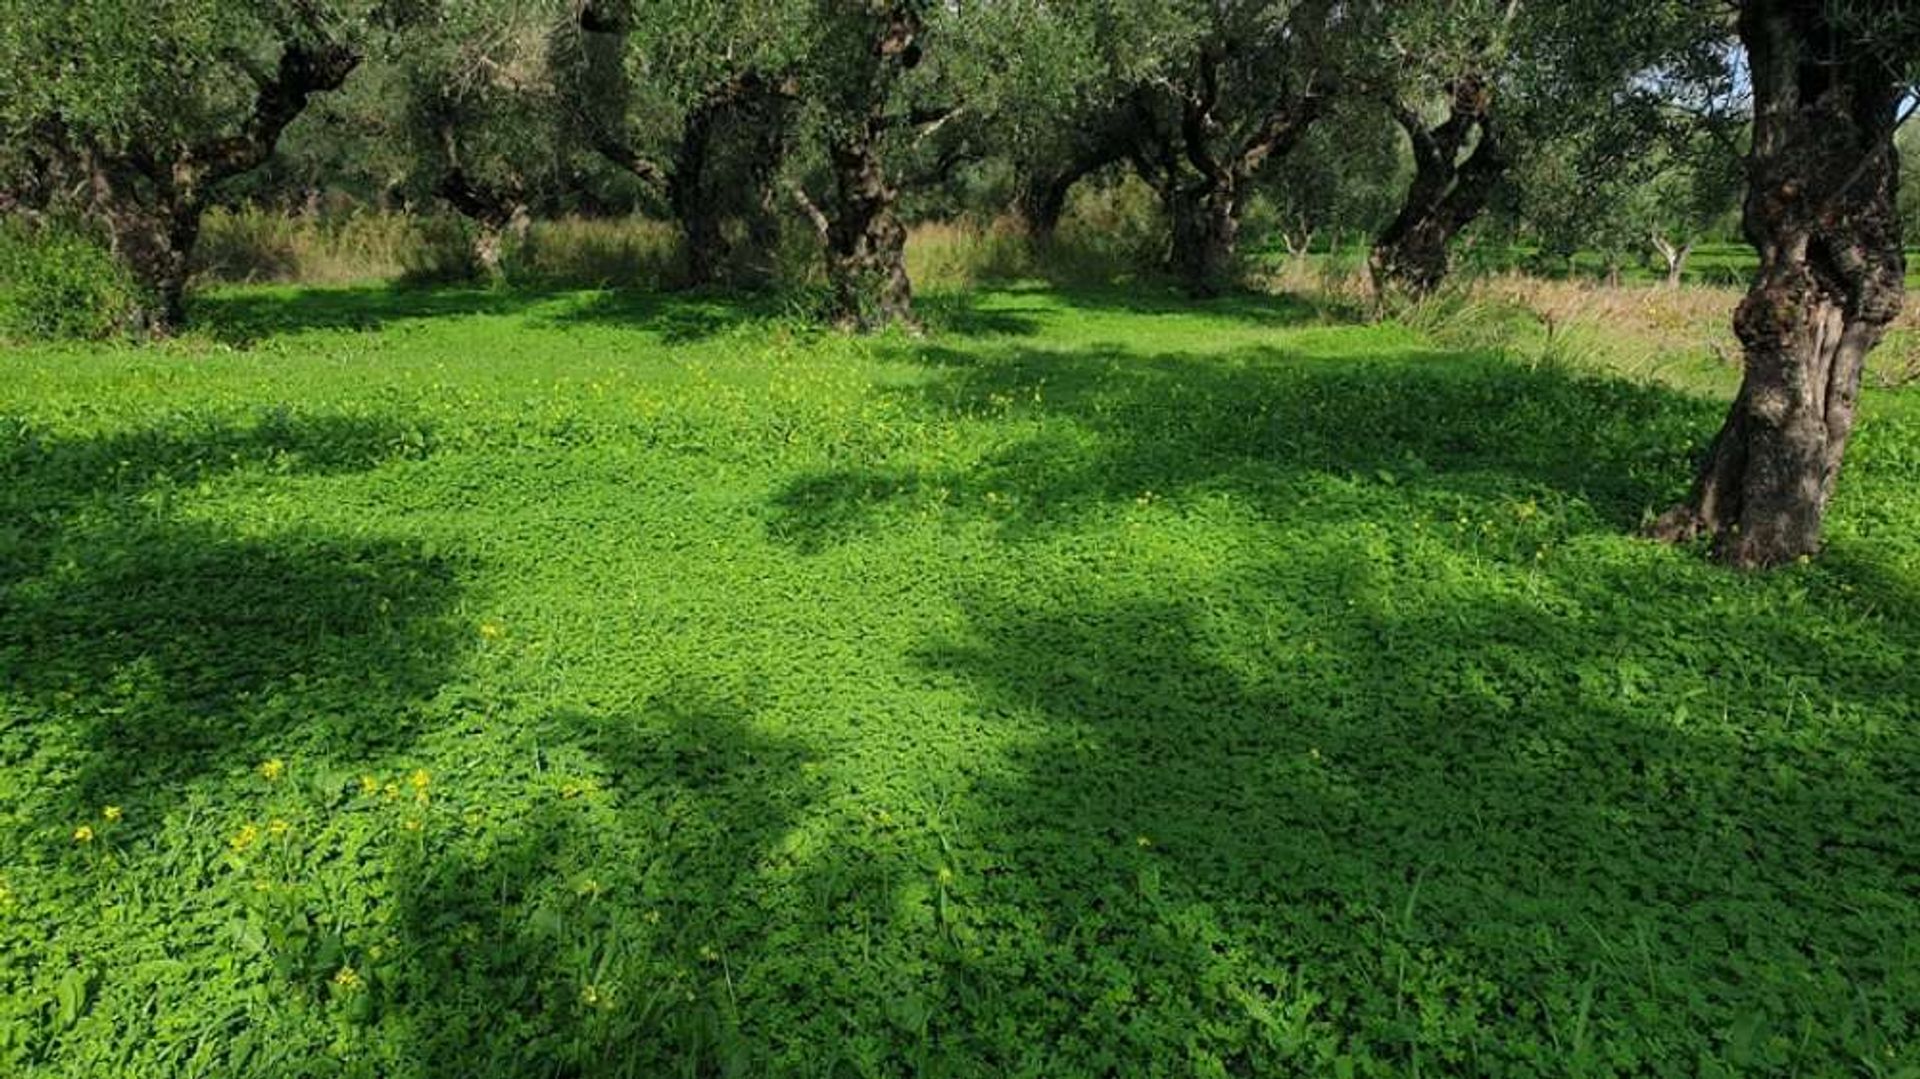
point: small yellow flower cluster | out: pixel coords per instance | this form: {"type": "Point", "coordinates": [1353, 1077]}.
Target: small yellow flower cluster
{"type": "Point", "coordinates": [420, 781]}
{"type": "Point", "coordinates": [272, 769]}
{"type": "Point", "coordinates": [594, 997]}
{"type": "Point", "coordinates": [85, 833]}
{"type": "Point", "coordinates": [347, 979]}
{"type": "Point", "coordinates": [492, 631]}
{"type": "Point", "coordinates": [277, 827]}
{"type": "Point", "coordinates": [247, 836]}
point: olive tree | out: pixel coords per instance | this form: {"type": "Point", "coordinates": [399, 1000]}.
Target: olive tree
{"type": "Point", "coordinates": [137, 113]}
{"type": "Point", "coordinates": [1832, 83]}
{"type": "Point", "coordinates": [894, 95]}
{"type": "Point", "coordinates": [482, 113]}
{"type": "Point", "coordinates": [696, 100]}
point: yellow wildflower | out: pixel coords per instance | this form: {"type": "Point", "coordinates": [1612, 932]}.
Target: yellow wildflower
{"type": "Point", "coordinates": [347, 978]}
{"type": "Point", "coordinates": [278, 827]}
{"type": "Point", "coordinates": [272, 769]}
{"type": "Point", "coordinates": [83, 834]}
{"type": "Point", "coordinates": [412, 824]}
{"type": "Point", "coordinates": [392, 791]}
{"type": "Point", "coordinates": [492, 631]}
{"type": "Point", "coordinates": [419, 779]}
{"type": "Point", "coordinates": [244, 838]}
{"type": "Point", "coordinates": [369, 785]}
{"type": "Point", "coordinates": [111, 813]}
{"type": "Point", "coordinates": [592, 997]}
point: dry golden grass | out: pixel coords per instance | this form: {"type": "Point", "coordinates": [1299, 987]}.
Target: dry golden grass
{"type": "Point", "coordinates": [1679, 336]}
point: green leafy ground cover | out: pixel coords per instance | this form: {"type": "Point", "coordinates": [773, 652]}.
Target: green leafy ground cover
{"type": "Point", "coordinates": [504, 685]}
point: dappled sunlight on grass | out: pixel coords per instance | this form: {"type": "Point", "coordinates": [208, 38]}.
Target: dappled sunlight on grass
{"type": "Point", "coordinates": [1099, 684]}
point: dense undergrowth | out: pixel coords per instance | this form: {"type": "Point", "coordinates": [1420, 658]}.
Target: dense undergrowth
{"type": "Point", "coordinates": [460, 683]}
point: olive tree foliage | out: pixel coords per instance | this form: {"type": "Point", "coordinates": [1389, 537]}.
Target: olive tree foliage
{"type": "Point", "coordinates": [1648, 180]}
{"type": "Point", "coordinates": [482, 112]}
{"type": "Point", "coordinates": [895, 94]}
{"type": "Point", "coordinates": [1833, 81]}
{"type": "Point", "coordinates": [695, 99]}
{"type": "Point", "coordinates": [136, 113]}
{"type": "Point", "coordinates": [1346, 178]}
{"type": "Point", "coordinates": [1549, 98]}
{"type": "Point", "coordinates": [1908, 146]}
{"type": "Point", "coordinates": [1199, 98]}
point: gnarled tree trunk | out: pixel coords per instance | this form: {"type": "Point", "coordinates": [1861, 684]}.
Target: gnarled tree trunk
{"type": "Point", "coordinates": [497, 216]}
{"type": "Point", "coordinates": [1206, 234]}
{"type": "Point", "coordinates": [151, 204]}
{"type": "Point", "coordinates": [1201, 164]}
{"type": "Point", "coordinates": [1107, 141]}
{"type": "Point", "coordinates": [1412, 257]}
{"type": "Point", "coordinates": [1821, 211]}
{"type": "Point", "coordinates": [866, 245]}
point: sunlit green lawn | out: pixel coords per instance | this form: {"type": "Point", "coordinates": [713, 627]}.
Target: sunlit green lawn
{"type": "Point", "coordinates": [579, 685]}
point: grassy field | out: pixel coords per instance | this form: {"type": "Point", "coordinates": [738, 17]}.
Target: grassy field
{"type": "Point", "coordinates": [496, 684]}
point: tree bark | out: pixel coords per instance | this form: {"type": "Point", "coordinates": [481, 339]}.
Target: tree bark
{"type": "Point", "coordinates": [1206, 234]}
{"type": "Point", "coordinates": [496, 215]}
{"type": "Point", "coordinates": [866, 245]}
{"type": "Point", "coordinates": [1822, 212]}
{"type": "Point", "coordinates": [1675, 256]}
{"type": "Point", "coordinates": [1413, 256]}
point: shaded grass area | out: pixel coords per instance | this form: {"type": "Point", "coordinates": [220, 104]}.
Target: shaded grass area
{"type": "Point", "coordinates": [536, 684]}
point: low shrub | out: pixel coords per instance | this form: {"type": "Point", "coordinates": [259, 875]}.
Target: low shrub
{"type": "Point", "coordinates": [59, 282]}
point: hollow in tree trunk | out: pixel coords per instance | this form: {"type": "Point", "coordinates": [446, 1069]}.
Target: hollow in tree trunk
{"type": "Point", "coordinates": [1821, 211]}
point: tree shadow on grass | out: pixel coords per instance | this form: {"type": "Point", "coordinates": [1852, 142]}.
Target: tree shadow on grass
{"type": "Point", "coordinates": [1427, 803]}
{"type": "Point", "coordinates": [142, 648]}
{"type": "Point", "coordinates": [245, 317]}
{"type": "Point", "coordinates": [613, 931]}
{"type": "Point", "coordinates": [1465, 836]}
{"type": "Point", "coordinates": [1104, 427]}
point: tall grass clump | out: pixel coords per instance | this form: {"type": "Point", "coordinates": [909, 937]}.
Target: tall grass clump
{"type": "Point", "coordinates": [60, 282]}
{"type": "Point", "coordinates": [632, 252]}
{"type": "Point", "coordinates": [255, 246]}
